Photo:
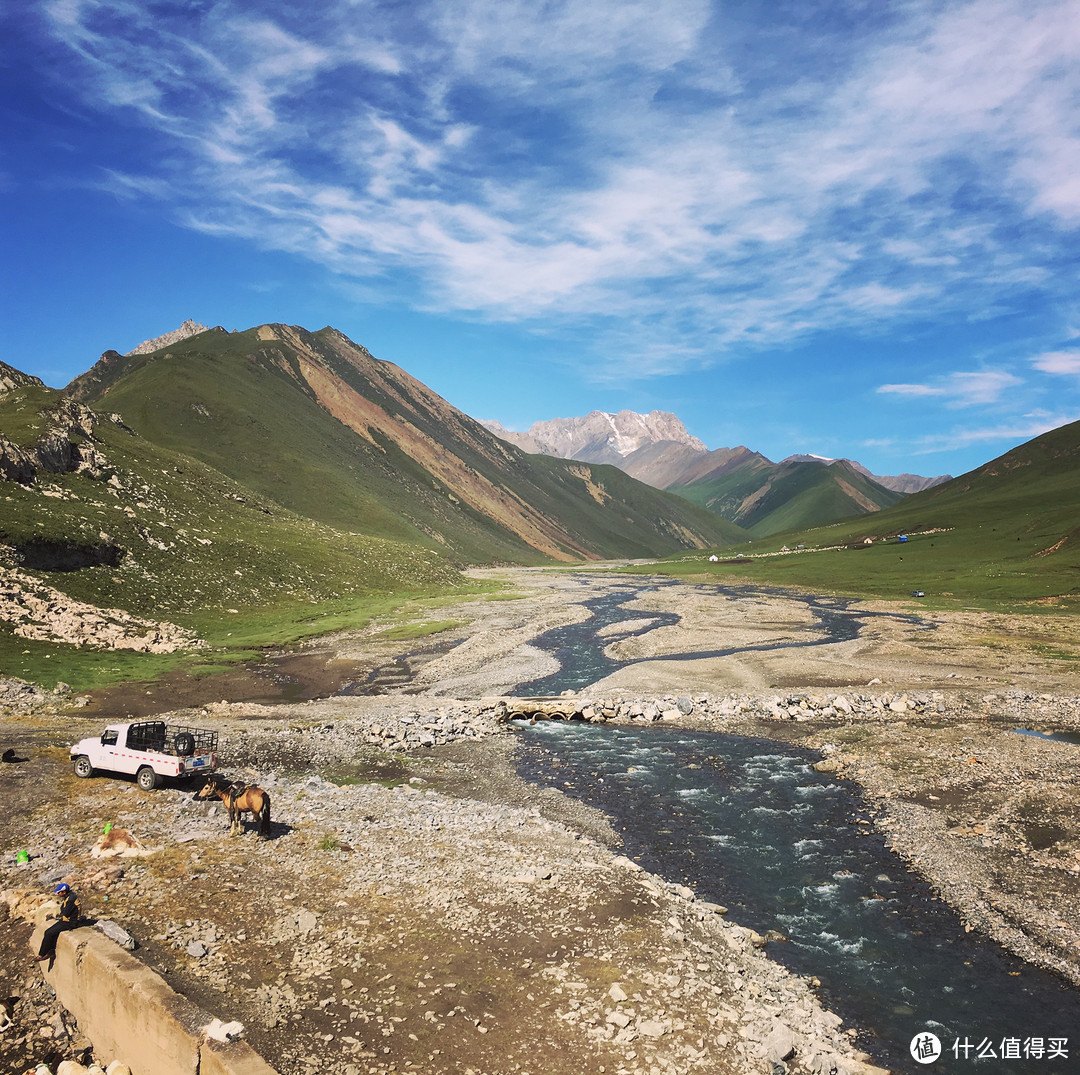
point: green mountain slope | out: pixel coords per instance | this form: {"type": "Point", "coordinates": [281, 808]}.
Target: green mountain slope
{"type": "Point", "coordinates": [1006, 532]}
{"type": "Point", "coordinates": [164, 534]}
{"type": "Point", "coordinates": [766, 498]}
{"type": "Point", "coordinates": [314, 423]}
{"type": "Point", "coordinates": [114, 549]}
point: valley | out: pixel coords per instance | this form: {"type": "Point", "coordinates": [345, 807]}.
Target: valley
{"type": "Point", "coordinates": [529, 923]}
{"type": "Point", "coordinates": [603, 478]}
{"type": "Point", "coordinates": [274, 534]}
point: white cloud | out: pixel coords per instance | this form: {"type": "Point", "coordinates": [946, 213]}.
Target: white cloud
{"type": "Point", "coordinates": [960, 389]}
{"type": "Point", "coordinates": [620, 165]}
{"type": "Point", "coordinates": [1013, 433]}
{"type": "Point", "coordinates": [1066, 363]}
{"type": "Point", "coordinates": [911, 390]}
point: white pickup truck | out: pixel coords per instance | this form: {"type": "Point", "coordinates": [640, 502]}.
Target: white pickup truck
{"type": "Point", "coordinates": [150, 750]}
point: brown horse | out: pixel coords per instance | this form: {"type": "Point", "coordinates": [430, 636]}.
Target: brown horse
{"type": "Point", "coordinates": [239, 799]}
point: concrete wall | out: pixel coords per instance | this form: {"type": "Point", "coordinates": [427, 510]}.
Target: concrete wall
{"type": "Point", "coordinates": [131, 1014]}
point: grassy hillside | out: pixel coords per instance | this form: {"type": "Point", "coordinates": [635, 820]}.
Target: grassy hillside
{"type": "Point", "coordinates": [1006, 533]}
{"type": "Point", "coordinates": [767, 498]}
{"type": "Point", "coordinates": [727, 491]}
{"type": "Point", "coordinates": [166, 537]}
{"type": "Point", "coordinates": [254, 488]}
{"type": "Point", "coordinates": [317, 425]}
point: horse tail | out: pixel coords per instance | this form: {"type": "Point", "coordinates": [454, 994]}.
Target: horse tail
{"type": "Point", "coordinates": [264, 816]}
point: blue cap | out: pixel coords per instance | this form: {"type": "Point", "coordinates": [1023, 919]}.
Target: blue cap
{"type": "Point", "coordinates": [62, 887]}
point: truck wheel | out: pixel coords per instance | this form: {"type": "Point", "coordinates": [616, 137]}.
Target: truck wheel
{"type": "Point", "coordinates": [184, 743]}
{"type": "Point", "coordinates": [147, 779]}
{"type": "Point", "coordinates": [82, 767]}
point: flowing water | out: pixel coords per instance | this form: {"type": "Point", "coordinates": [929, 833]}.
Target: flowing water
{"type": "Point", "coordinates": [580, 650]}
{"type": "Point", "coordinates": [749, 824]}
{"type": "Point", "coordinates": [1054, 737]}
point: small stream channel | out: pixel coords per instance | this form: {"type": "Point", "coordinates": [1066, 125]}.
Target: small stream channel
{"type": "Point", "coordinates": [580, 650]}
{"type": "Point", "coordinates": [749, 824]}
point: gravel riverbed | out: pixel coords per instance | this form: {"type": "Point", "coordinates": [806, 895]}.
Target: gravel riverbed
{"type": "Point", "coordinates": [419, 907]}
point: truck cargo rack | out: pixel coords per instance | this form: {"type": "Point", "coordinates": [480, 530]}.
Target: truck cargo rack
{"type": "Point", "coordinates": [179, 740]}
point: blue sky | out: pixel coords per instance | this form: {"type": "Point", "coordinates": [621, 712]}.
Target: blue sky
{"type": "Point", "coordinates": [841, 228]}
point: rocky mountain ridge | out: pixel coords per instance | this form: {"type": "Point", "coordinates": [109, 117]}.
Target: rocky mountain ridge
{"type": "Point", "coordinates": [898, 483]}
{"type": "Point", "coordinates": [599, 436]}
{"type": "Point", "coordinates": [738, 484]}
{"type": "Point", "coordinates": [657, 448]}
{"type": "Point", "coordinates": [187, 329]}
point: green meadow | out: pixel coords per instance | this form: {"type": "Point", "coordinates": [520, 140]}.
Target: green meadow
{"type": "Point", "coordinates": [1005, 535]}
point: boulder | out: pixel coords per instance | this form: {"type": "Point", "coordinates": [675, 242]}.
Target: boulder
{"type": "Point", "coordinates": [652, 1028]}
{"type": "Point", "coordinates": [780, 1044]}
{"type": "Point", "coordinates": [116, 933]}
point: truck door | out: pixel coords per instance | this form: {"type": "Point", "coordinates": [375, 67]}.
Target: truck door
{"type": "Point", "coordinates": [109, 749]}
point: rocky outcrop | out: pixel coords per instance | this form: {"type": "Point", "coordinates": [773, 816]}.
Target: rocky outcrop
{"type": "Point", "coordinates": [12, 379]}
{"type": "Point", "coordinates": [65, 445]}
{"type": "Point", "coordinates": [188, 328]}
{"type": "Point", "coordinates": [38, 611]}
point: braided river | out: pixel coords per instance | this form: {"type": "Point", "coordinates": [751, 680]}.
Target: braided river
{"type": "Point", "coordinates": [748, 823]}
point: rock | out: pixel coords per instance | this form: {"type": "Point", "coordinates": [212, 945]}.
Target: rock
{"type": "Point", "coordinates": [685, 706]}
{"type": "Point", "coordinates": [652, 1028]}
{"type": "Point", "coordinates": [617, 993]}
{"type": "Point", "coordinates": [850, 1066]}
{"type": "Point", "coordinates": [116, 933]}
{"type": "Point", "coordinates": [306, 922]}
{"type": "Point", "coordinates": [712, 908]}
{"type": "Point", "coordinates": [197, 949]}
{"type": "Point", "coordinates": [780, 1044]}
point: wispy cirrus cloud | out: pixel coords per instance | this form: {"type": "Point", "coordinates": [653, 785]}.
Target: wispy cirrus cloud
{"type": "Point", "coordinates": [1065, 363]}
{"type": "Point", "coordinates": [676, 185]}
{"type": "Point", "coordinates": [960, 389]}
{"type": "Point", "coordinates": [1015, 432]}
